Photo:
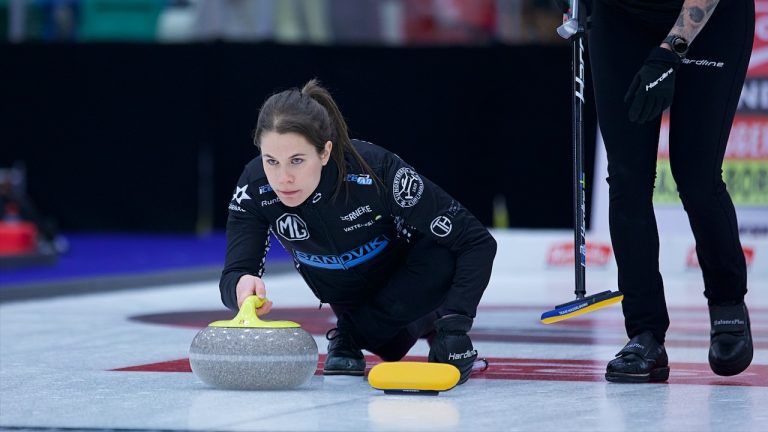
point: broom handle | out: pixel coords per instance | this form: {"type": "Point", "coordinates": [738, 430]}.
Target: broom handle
{"type": "Point", "coordinates": [573, 30]}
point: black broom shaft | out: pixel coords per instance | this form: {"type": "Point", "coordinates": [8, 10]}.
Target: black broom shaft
{"type": "Point", "coordinates": [579, 224]}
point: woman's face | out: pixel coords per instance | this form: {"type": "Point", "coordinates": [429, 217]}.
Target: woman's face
{"type": "Point", "coordinates": [292, 165]}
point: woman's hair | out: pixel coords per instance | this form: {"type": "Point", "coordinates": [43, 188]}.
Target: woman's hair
{"type": "Point", "coordinates": [312, 113]}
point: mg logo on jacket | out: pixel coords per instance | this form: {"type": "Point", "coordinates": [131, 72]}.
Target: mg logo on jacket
{"type": "Point", "coordinates": [292, 227]}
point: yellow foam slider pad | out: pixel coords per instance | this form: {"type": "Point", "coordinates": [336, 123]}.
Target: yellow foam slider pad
{"type": "Point", "coordinates": [407, 377]}
{"type": "Point", "coordinates": [581, 306]}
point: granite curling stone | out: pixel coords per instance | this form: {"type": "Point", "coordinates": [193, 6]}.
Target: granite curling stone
{"type": "Point", "coordinates": [247, 353]}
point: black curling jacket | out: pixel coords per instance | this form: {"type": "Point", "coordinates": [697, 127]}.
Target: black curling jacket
{"type": "Point", "coordinates": [346, 246]}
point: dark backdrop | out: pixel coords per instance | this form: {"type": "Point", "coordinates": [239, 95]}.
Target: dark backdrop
{"type": "Point", "coordinates": [153, 137]}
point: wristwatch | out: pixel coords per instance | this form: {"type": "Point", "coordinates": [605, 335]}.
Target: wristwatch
{"type": "Point", "coordinates": [678, 43]}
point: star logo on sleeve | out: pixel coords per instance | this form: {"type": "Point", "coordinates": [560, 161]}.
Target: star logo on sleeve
{"type": "Point", "coordinates": [240, 194]}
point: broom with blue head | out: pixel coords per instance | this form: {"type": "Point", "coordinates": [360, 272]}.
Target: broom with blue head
{"type": "Point", "coordinates": [573, 29]}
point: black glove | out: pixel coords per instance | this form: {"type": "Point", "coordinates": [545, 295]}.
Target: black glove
{"type": "Point", "coordinates": [452, 345]}
{"type": "Point", "coordinates": [654, 84]}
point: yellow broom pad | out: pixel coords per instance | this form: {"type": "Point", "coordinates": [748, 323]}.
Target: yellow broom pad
{"type": "Point", "coordinates": [413, 377]}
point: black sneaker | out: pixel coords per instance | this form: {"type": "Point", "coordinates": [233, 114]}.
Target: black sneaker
{"type": "Point", "coordinates": [730, 350]}
{"type": "Point", "coordinates": [641, 360]}
{"type": "Point", "coordinates": [344, 358]}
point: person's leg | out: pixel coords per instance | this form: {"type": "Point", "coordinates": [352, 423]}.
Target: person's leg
{"type": "Point", "coordinates": [396, 316]}
{"type": "Point", "coordinates": [618, 45]}
{"type": "Point", "coordinates": [345, 357]}
{"type": "Point", "coordinates": [708, 88]}
{"type": "Point", "coordinates": [416, 301]}
{"type": "Point", "coordinates": [399, 313]}
{"type": "Point", "coordinates": [706, 97]}
{"type": "Point", "coordinates": [398, 346]}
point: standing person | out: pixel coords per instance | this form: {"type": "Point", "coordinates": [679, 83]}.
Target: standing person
{"type": "Point", "coordinates": [641, 63]}
{"type": "Point", "coordinates": [394, 255]}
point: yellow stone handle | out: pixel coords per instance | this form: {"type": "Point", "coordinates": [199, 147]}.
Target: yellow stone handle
{"type": "Point", "coordinates": [247, 317]}
{"type": "Point", "coordinates": [252, 303]}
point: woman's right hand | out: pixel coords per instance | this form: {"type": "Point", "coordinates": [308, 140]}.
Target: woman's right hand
{"type": "Point", "coordinates": [249, 285]}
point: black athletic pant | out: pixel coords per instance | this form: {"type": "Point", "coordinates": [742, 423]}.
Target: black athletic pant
{"type": "Point", "coordinates": [701, 115]}
{"type": "Point", "coordinates": [405, 307]}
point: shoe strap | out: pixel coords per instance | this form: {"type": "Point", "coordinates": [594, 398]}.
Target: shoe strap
{"type": "Point", "coordinates": [643, 345]}
{"type": "Point", "coordinates": [726, 319]}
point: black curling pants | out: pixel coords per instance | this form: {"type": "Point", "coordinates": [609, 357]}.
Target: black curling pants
{"type": "Point", "coordinates": [701, 116]}
{"type": "Point", "coordinates": [403, 308]}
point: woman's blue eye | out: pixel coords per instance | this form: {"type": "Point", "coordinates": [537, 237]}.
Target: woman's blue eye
{"type": "Point", "coordinates": [297, 161]}
{"type": "Point", "coordinates": [271, 162]}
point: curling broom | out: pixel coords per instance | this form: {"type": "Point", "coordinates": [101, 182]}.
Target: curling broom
{"type": "Point", "coordinates": [573, 30]}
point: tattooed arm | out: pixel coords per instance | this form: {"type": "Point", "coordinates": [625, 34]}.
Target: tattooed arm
{"type": "Point", "coordinates": [692, 19]}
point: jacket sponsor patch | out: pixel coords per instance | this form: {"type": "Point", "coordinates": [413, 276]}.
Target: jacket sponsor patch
{"type": "Point", "coordinates": [265, 203]}
{"type": "Point", "coordinates": [361, 179]}
{"type": "Point", "coordinates": [407, 187]}
{"type": "Point", "coordinates": [292, 227]}
{"type": "Point", "coordinates": [354, 214]}
{"type": "Point", "coordinates": [240, 194]}
{"type": "Point", "coordinates": [346, 260]}
{"type": "Point", "coordinates": [441, 226]}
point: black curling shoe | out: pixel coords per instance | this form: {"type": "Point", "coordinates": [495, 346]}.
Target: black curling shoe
{"type": "Point", "coordinates": [730, 350]}
{"type": "Point", "coordinates": [641, 360]}
{"type": "Point", "coordinates": [344, 357]}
